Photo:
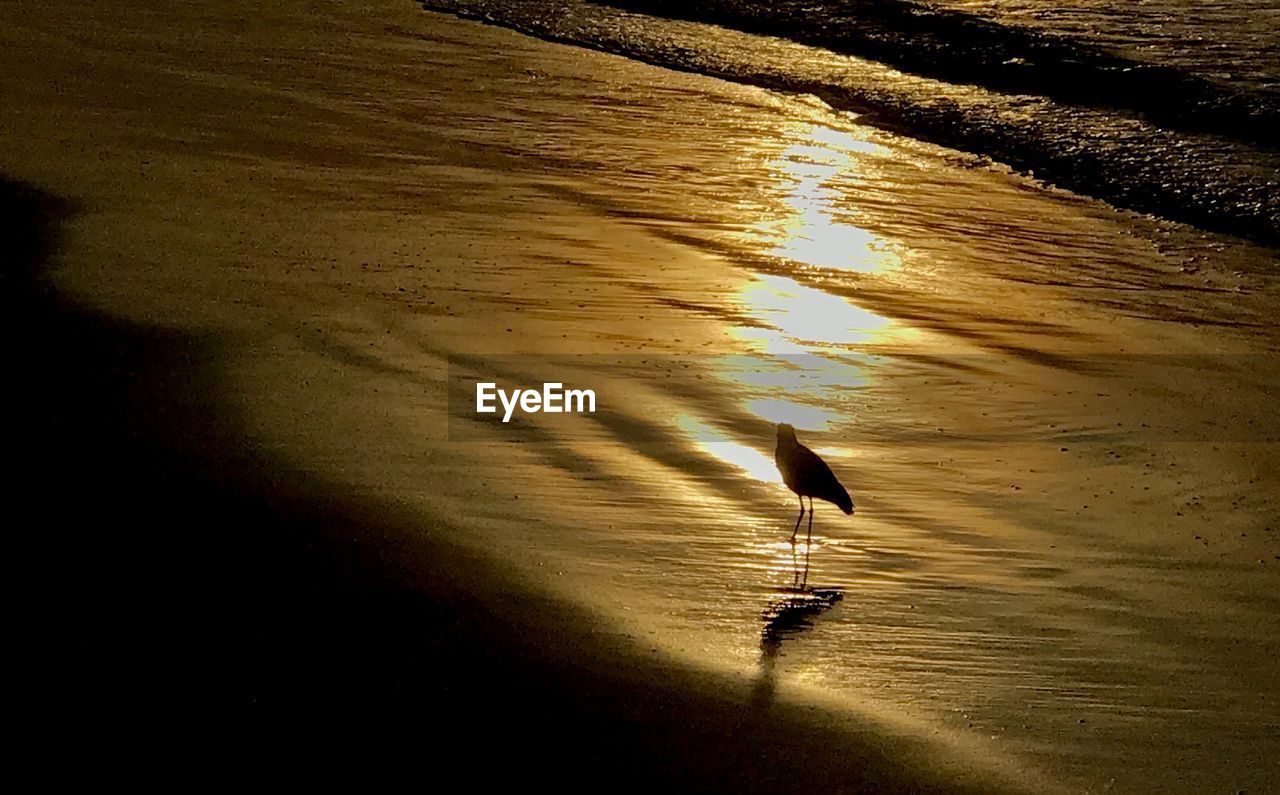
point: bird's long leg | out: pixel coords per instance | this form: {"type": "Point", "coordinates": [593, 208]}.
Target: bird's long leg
{"type": "Point", "coordinates": [810, 541]}
{"type": "Point", "coordinates": [804, 584]}
{"type": "Point", "coordinates": [798, 518]}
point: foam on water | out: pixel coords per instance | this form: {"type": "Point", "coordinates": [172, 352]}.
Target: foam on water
{"type": "Point", "coordinates": [1150, 137]}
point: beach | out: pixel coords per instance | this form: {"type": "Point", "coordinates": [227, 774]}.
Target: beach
{"type": "Point", "coordinates": [265, 254]}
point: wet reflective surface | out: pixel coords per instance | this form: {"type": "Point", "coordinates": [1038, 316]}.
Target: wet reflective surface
{"type": "Point", "coordinates": [1235, 41]}
{"type": "Point", "coordinates": [1099, 607]}
{"type": "Point", "coordinates": [1077, 112]}
{"type": "Point", "coordinates": [1015, 570]}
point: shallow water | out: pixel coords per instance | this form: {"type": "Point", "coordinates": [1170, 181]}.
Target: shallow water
{"type": "Point", "coordinates": [1057, 558]}
{"type": "Point", "coordinates": [955, 340]}
{"type": "Point", "coordinates": [1156, 138]}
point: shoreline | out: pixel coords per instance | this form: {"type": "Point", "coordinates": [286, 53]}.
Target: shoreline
{"type": "Point", "coordinates": [982, 128]}
{"type": "Point", "coordinates": [290, 224]}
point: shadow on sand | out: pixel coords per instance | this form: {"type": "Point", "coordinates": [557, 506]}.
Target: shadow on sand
{"type": "Point", "coordinates": [788, 615]}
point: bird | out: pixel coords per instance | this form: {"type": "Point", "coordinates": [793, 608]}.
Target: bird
{"type": "Point", "coordinates": [808, 476]}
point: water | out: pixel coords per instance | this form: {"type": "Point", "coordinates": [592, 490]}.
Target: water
{"type": "Point", "coordinates": [1158, 135]}
{"type": "Point", "coordinates": [1042, 570]}
{"type": "Point", "coordinates": [1091, 602]}
{"type": "Point", "coordinates": [1236, 43]}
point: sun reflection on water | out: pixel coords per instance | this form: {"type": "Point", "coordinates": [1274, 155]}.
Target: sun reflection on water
{"type": "Point", "coordinates": [811, 225]}
{"type": "Point", "coordinates": [716, 442]}
{"type": "Point", "coordinates": [802, 370]}
{"type": "Point", "coordinates": [807, 315]}
{"type": "Point", "coordinates": [804, 417]}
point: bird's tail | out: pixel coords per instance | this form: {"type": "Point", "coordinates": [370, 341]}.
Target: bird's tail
{"type": "Point", "coordinates": [844, 502]}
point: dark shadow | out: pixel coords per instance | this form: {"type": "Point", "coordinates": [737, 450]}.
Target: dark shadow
{"type": "Point", "coordinates": [789, 614]}
{"type": "Point", "coordinates": [794, 612]}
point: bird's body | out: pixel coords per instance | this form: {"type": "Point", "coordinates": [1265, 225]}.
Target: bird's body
{"type": "Point", "coordinates": [807, 475]}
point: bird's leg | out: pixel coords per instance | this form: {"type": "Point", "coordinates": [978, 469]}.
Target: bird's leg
{"type": "Point", "coordinates": [804, 584]}
{"type": "Point", "coordinates": [810, 541]}
{"type": "Point", "coordinates": [798, 518]}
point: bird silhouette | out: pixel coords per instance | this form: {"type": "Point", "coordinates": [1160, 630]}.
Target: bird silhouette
{"type": "Point", "coordinates": [807, 475]}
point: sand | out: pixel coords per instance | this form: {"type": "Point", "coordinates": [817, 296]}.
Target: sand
{"type": "Point", "coordinates": [256, 238]}
{"type": "Point", "coordinates": [220, 616]}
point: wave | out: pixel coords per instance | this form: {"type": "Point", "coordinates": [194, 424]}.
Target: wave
{"type": "Point", "coordinates": [960, 47]}
{"type": "Point", "coordinates": [1143, 137]}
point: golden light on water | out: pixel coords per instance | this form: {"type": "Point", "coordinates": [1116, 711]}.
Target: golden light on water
{"type": "Point", "coordinates": [767, 340]}
{"type": "Point", "coordinates": [801, 314]}
{"type": "Point", "coordinates": [804, 331]}
{"type": "Point", "coordinates": [802, 416]}
{"type": "Point", "coordinates": [794, 372]}
{"type": "Point", "coordinates": [798, 389]}
{"type": "Point", "coordinates": [715, 442]}
{"type": "Point", "coordinates": [802, 371]}
{"type": "Point", "coordinates": [811, 227]}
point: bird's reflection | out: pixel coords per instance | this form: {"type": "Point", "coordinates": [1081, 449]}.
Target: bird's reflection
{"type": "Point", "coordinates": [788, 614]}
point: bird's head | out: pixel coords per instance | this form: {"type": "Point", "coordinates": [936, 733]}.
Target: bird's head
{"type": "Point", "coordinates": [786, 433]}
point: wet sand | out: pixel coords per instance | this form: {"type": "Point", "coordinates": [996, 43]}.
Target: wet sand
{"type": "Point", "coordinates": [280, 228]}
{"type": "Point", "coordinates": [224, 608]}
{"type": "Point", "coordinates": [219, 612]}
